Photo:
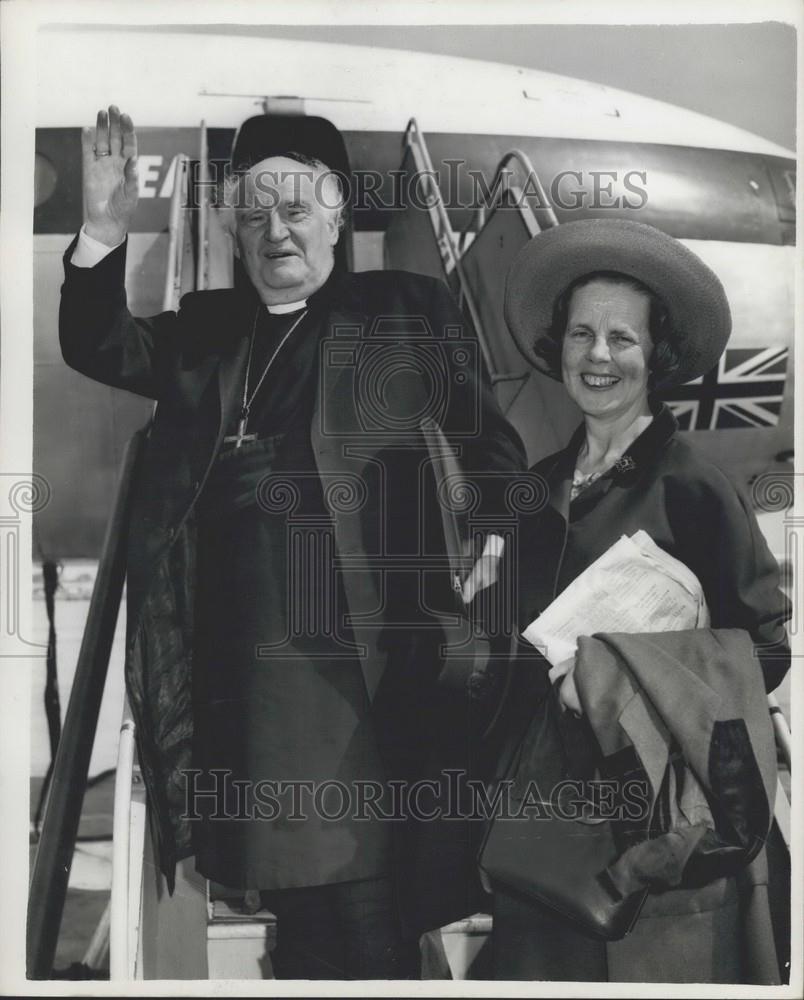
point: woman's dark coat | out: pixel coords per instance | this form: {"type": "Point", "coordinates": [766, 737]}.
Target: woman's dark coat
{"type": "Point", "coordinates": [688, 506]}
{"type": "Point", "coordinates": [696, 514]}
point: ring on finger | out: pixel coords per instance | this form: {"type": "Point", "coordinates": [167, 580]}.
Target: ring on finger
{"type": "Point", "coordinates": [101, 152]}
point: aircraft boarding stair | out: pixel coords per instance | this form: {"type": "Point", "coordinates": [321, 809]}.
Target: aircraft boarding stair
{"type": "Point", "coordinates": [474, 267]}
{"type": "Point", "coordinates": [203, 930]}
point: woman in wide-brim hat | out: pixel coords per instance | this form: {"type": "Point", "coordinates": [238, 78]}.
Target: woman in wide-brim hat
{"type": "Point", "coordinates": [618, 310]}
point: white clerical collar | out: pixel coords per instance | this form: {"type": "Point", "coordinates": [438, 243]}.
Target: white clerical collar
{"type": "Point", "coordinates": [287, 307]}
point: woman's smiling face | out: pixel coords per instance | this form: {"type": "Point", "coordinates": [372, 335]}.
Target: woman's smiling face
{"type": "Point", "coordinates": [606, 348]}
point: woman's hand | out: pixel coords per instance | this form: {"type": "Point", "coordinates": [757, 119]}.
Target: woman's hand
{"type": "Point", "coordinates": [110, 176]}
{"type": "Point", "coordinates": [567, 692]}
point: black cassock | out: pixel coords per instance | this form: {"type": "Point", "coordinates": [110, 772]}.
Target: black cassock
{"type": "Point", "coordinates": [400, 609]}
{"type": "Point", "coordinates": [279, 697]}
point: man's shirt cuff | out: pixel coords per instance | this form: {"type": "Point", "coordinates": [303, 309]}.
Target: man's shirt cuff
{"type": "Point", "coordinates": [88, 251]}
{"type": "Point", "coordinates": [494, 545]}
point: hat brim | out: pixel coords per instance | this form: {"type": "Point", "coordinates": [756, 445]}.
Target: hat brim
{"type": "Point", "coordinates": [692, 293]}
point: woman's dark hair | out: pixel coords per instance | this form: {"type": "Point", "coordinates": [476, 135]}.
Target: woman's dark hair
{"type": "Point", "coordinates": [664, 359]}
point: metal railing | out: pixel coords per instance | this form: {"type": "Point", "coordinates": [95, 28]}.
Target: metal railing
{"type": "Point", "coordinates": [54, 855]}
{"type": "Point", "coordinates": [128, 850]}
{"type": "Point", "coordinates": [202, 192]}
{"type": "Point", "coordinates": [445, 237]}
{"type": "Point", "coordinates": [448, 242]}
{"type": "Point", "coordinates": [781, 730]}
{"type": "Point", "coordinates": [176, 224]}
{"type": "Point", "coordinates": [784, 747]}
{"type": "Point", "coordinates": [501, 184]}
{"type": "Point", "coordinates": [121, 965]}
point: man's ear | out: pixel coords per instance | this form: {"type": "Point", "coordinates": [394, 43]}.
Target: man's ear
{"type": "Point", "coordinates": [334, 230]}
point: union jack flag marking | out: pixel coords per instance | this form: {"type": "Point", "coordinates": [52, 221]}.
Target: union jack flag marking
{"type": "Point", "coordinates": [745, 389]}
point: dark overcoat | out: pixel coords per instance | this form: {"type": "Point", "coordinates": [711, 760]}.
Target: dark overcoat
{"type": "Point", "coordinates": [693, 511]}
{"type": "Point", "coordinates": [370, 397]}
{"type": "Point", "coordinates": [688, 506]}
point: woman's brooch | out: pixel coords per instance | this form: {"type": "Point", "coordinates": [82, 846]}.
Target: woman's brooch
{"type": "Point", "coordinates": [624, 464]}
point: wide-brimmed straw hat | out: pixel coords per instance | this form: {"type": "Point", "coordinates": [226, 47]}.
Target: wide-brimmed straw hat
{"type": "Point", "coordinates": [699, 311]}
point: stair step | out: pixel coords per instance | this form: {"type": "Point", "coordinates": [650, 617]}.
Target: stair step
{"type": "Point", "coordinates": [239, 944]}
{"type": "Point", "coordinates": [230, 912]}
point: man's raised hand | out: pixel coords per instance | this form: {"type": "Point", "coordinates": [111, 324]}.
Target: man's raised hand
{"type": "Point", "coordinates": [110, 176]}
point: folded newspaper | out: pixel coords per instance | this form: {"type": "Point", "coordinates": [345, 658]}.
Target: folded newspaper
{"type": "Point", "coordinates": [635, 586]}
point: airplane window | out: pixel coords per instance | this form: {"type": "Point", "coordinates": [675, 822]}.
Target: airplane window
{"type": "Point", "coordinates": [45, 178]}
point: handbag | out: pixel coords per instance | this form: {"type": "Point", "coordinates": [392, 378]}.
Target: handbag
{"type": "Point", "coordinates": [559, 862]}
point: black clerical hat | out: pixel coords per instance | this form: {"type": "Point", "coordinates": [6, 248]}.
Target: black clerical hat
{"type": "Point", "coordinates": [274, 135]}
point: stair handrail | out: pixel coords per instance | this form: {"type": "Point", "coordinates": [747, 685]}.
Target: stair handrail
{"type": "Point", "coordinates": [175, 253]}
{"type": "Point", "coordinates": [503, 179]}
{"type": "Point", "coordinates": [445, 237]}
{"type": "Point", "coordinates": [120, 964]}
{"type": "Point", "coordinates": [202, 190]}
{"type": "Point", "coordinates": [54, 855]}
{"type": "Point", "coordinates": [781, 731]}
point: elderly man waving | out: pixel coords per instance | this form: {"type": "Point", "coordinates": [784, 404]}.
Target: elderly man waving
{"type": "Point", "coordinates": [277, 670]}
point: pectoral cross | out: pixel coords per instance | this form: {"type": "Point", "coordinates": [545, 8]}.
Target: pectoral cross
{"type": "Point", "coordinates": [241, 435]}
